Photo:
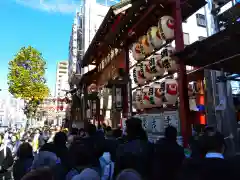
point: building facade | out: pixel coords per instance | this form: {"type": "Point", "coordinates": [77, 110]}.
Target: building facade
{"type": "Point", "coordinates": [61, 79]}
{"type": "Point", "coordinates": [85, 25]}
{"type": "Point", "coordinates": [11, 111]}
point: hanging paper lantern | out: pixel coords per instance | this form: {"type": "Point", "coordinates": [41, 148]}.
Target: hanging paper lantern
{"type": "Point", "coordinates": [157, 94]}
{"type": "Point", "coordinates": [154, 37]}
{"type": "Point", "coordinates": [158, 65]}
{"type": "Point", "coordinates": [146, 98]}
{"type": "Point", "coordinates": [170, 89]}
{"type": "Point", "coordinates": [138, 51]}
{"type": "Point", "coordinates": [138, 75]}
{"type": "Point", "coordinates": [147, 46]}
{"type": "Point", "coordinates": [139, 102]}
{"type": "Point", "coordinates": [147, 70]}
{"type": "Point", "coordinates": [166, 26]}
{"type": "Point", "coordinates": [168, 62]}
{"type": "Point", "coordinates": [153, 68]}
{"type": "Point", "coordinates": [92, 88]}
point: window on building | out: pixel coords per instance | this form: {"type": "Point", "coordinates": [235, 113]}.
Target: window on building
{"type": "Point", "coordinates": [200, 38]}
{"type": "Point", "coordinates": [186, 39]}
{"type": "Point", "coordinates": [201, 20]}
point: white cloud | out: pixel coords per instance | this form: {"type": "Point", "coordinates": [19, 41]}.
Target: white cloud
{"type": "Point", "coordinates": [63, 6]}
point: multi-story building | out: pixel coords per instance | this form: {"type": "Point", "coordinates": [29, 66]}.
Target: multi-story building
{"type": "Point", "coordinates": [11, 111]}
{"type": "Point", "coordinates": [86, 23]}
{"type": "Point", "coordinates": [52, 110]}
{"type": "Point", "coordinates": [61, 76]}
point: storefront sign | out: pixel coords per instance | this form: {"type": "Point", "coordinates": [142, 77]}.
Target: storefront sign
{"type": "Point", "coordinates": [111, 70]}
{"type": "Point", "coordinates": [108, 59]}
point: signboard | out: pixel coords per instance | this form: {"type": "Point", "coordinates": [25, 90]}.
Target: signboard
{"type": "Point", "coordinates": [156, 123]}
{"type": "Point", "coordinates": [111, 70]}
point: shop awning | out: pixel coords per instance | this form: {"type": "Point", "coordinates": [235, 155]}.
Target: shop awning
{"type": "Point", "coordinates": [115, 30]}
{"type": "Point", "coordinates": [218, 52]}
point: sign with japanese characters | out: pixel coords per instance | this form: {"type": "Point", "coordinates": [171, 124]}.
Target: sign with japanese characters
{"type": "Point", "coordinates": [156, 123]}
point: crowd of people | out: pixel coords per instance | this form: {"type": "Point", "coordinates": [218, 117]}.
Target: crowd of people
{"type": "Point", "coordinates": [103, 153]}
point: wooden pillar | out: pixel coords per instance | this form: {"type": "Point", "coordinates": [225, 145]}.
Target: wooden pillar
{"type": "Point", "coordinates": [127, 94]}
{"type": "Point", "coordinates": [182, 81]}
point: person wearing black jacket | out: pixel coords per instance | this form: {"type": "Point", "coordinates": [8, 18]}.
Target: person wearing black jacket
{"type": "Point", "coordinates": [168, 156]}
{"type": "Point", "coordinates": [137, 152]}
{"type": "Point", "coordinates": [214, 165]}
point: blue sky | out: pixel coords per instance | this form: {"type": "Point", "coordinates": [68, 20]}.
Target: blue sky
{"type": "Point", "coordinates": [43, 24]}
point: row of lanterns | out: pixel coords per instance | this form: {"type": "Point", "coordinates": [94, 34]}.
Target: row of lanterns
{"type": "Point", "coordinates": [155, 38]}
{"type": "Point", "coordinates": [160, 93]}
{"type": "Point", "coordinates": [158, 64]}
{"type": "Point", "coordinates": [155, 66]}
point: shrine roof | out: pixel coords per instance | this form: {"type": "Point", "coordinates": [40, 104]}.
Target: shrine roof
{"type": "Point", "coordinates": [118, 31]}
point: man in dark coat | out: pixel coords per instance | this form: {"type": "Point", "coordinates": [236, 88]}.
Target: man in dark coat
{"type": "Point", "coordinates": [168, 156]}
{"type": "Point", "coordinates": [137, 152]}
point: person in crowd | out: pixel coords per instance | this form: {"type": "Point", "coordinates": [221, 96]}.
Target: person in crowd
{"type": "Point", "coordinates": [87, 174]}
{"type": "Point", "coordinates": [196, 143]}
{"type": "Point", "coordinates": [80, 157]}
{"type": "Point", "coordinates": [213, 165]}
{"type": "Point", "coordinates": [24, 161]}
{"type": "Point", "coordinates": [108, 132]}
{"type": "Point", "coordinates": [82, 133]}
{"type": "Point", "coordinates": [40, 174]}
{"type": "Point", "coordinates": [46, 157]}
{"type": "Point", "coordinates": [129, 174]}
{"type": "Point", "coordinates": [107, 166]}
{"type": "Point", "coordinates": [16, 144]}
{"type": "Point", "coordinates": [168, 156]}
{"type": "Point", "coordinates": [137, 152]}
{"type": "Point", "coordinates": [35, 142]}
{"type": "Point", "coordinates": [61, 149]}
{"type": "Point", "coordinates": [6, 160]}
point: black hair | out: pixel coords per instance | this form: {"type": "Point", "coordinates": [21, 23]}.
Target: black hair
{"type": "Point", "coordinates": [108, 129]}
{"type": "Point", "coordinates": [171, 133]}
{"type": "Point", "coordinates": [60, 138]}
{"type": "Point", "coordinates": [25, 151]}
{"type": "Point", "coordinates": [91, 129]}
{"type": "Point", "coordinates": [48, 147]}
{"type": "Point", "coordinates": [213, 142]}
{"type": "Point", "coordinates": [117, 133]}
{"type": "Point", "coordinates": [134, 128]}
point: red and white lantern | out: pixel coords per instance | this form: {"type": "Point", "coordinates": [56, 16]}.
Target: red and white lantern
{"type": "Point", "coordinates": [138, 74]}
{"type": "Point", "coordinates": [157, 94]}
{"type": "Point", "coordinates": [147, 70]}
{"type": "Point", "coordinates": [154, 37]}
{"type": "Point", "coordinates": [146, 97]}
{"type": "Point", "coordinates": [92, 88]}
{"type": "Point", "coordinates": [138, 51]}
{"type": "Point", "coordinates": [166, 26]}
{"type": "Point", "coordinates": [170, 90]}
{"type": "Point", "coordinates": [147, 46]}
{"type": "Point", "coordinates": [167, 61]}
{"type": "Point", "coordinates": [158, 64]}
{"type": "Point", "coordinates": [138, 97]}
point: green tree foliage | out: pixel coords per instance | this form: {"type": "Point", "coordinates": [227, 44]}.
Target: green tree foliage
{"type": "Point", "coordinates": [26, 78]}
